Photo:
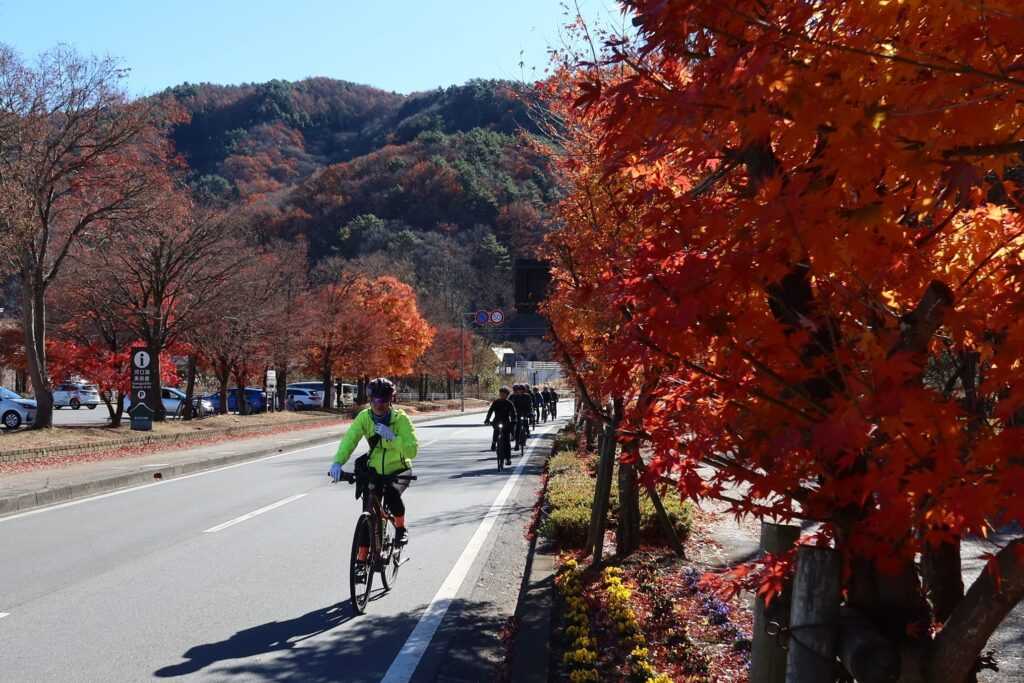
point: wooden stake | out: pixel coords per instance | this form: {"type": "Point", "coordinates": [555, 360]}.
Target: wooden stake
{"type": "Point", "coordinates": [768, 657]}
{"type": "Point", "coordinates": [814, 617]}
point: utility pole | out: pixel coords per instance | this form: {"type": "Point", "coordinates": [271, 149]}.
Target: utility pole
{"type": "Point", "coordinates": [462, 361]}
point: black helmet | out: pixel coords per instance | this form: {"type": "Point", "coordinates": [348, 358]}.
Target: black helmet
{"type": "Point", "coordinates": [504, 390]}
{"type": "Point", "coordinates": [381, 387]}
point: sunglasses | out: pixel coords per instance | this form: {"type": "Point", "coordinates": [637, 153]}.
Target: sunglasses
{"type": "Point", "coordinates": [380, 401]}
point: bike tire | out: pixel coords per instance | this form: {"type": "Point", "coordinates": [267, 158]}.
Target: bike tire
{"type": "Point", "coordinates": [360, 592]}
{"type": "Point", "coordinates": [390, 559]}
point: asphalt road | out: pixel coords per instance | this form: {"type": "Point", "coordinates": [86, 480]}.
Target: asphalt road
{"type": "Point", "coordinates": [98, 416]}
{"type": "Point", "coordinates": [242, 573]}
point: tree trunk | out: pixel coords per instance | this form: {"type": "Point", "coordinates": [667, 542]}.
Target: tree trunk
{"type": "Point", "coordinates": [34, 323]}
{"type": "Point", "coordinates": [627, 531]}
{"type": "Point", "coordinates": [423, 386]}
{"type": "Point", "coordinates": [243, 405]}
{"type": "Point", "coordinates": [190, 387]}
{"type": "Point", "coordinates": [223, 375]}
{"type": "Point", "coordinates": [448, 388]}
{"type": "Point", "coordinates": [325, 376]}
{"type": "Point", "coordinates": [282, 388]}
{"type": "Point", "coordinates": [361, 390]}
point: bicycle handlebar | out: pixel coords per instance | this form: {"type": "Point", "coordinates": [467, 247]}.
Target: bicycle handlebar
{"type": "Point", "coordinates": [350, 477]}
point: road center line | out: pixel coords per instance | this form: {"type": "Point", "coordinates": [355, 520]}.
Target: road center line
{"type": "Point", "coordinates": [408, 658]}
{"type": "Point", "coordinates": [165, 482]}
{"type": "Point", "coordinates": [254, 513]}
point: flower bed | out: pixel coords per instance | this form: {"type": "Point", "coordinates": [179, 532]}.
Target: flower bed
{"type": "Point", "coordinates": [648, 620]}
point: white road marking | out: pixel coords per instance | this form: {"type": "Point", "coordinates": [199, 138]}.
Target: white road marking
{"type": "Point", "coordinates": [165, 482]}
{"type": "Point", "coordinates": [4, 614]}
{"type": "Point", "coordinates": [408, 658]}
{"type": "Point", "coordinates": [254, 513]}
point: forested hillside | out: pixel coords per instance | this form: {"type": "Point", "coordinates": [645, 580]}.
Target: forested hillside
{"type": "Point", "coordinates": [440, 188]}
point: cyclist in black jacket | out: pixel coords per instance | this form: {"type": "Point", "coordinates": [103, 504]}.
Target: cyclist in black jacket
{"type": "Point", "coordinates": [524, 406]}
{"type": "Point", "coordinates": [504, 412]}
{"type": "Point", "coordinates": [553, 395]}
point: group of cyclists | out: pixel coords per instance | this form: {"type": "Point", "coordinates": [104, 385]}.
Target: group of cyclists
{"type": "Point", "coordinates": [518, 410]}
{"type": "Point", "coordinates": [393, 446]}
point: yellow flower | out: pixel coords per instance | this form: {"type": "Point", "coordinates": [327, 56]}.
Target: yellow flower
{"type": "Point", "coordinates": [584, 676]}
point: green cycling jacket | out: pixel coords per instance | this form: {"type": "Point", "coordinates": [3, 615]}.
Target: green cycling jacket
{"type": "Point", "coordinates": [389, 456]}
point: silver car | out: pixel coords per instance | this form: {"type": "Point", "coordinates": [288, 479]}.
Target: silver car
{"type": "Point", "coordinates": [16, 411]}
{"type": "Point", "coordinates": [75, 395]}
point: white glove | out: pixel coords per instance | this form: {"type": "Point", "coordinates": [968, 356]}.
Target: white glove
{"type": "Point", "coordinates": [384, 431]}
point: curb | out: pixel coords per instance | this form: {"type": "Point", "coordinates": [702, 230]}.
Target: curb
{"type": "Point", "coordinates": [169, 439]}
{"type": "Point", "coordinates": [534, 612]}
{"type": "Point", "coordinates": [34, 499]}
{"type": "Point", "coordinates": [536, 605]}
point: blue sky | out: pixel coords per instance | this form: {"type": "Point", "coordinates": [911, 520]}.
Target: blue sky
{"type": "Point", "coordinates": [400, 45]}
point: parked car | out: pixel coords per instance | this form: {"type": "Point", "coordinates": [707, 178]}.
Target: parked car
{"type": "Point", "coordinates": [15, 411]}
{"type": "Point", "coordinates": [318, 386]}
{"type": "Point", "coordinates": [254, 396]}
{"type": "Point", "coordinates": [75, 395]}
{"type": "Point", "coordinates": [173, 398]}
{"type": "Point", "coordinates": [301, 399]}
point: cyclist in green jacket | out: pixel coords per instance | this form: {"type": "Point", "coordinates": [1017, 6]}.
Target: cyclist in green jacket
{"type": "Point", "coordinates": [393, 446]}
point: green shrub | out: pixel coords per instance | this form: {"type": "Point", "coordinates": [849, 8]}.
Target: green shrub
{"type": "Point", "coordinates": [567, 526]}
{"type": "Point", "coordinates": [570, 496]}
{"type": "Point", "coordinates": [680, 513]}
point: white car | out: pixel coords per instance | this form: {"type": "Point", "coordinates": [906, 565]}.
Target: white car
{"type": "Point", "coordinates": [15, 410]}
{"type": "Point", "coordinates": [299, 398]}
{"type": "Point", "coordinates": [75, 395]}
{"type": "Point", "coordinates": [172, 398]}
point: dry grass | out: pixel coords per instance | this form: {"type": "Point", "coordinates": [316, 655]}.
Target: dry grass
{"type": "Point", "coordinates": [81, 435]}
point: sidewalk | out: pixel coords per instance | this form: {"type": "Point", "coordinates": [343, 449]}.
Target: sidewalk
{"type": "Point", "coordinates": [36, 488]}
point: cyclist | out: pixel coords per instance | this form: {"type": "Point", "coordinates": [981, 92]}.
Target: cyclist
{"type": "Point", "coordinates": [504, 412]}
{"type": "Point", "coordinates": [538, 401]}
{"type": "Point", "coordinates": [546, 397]}
{"type": "Point", "coordinates": [524, 408]}
{"type": "Point", "coordinates": [393, 446]}
{"type": "Point", "coordinates": [553, 396]}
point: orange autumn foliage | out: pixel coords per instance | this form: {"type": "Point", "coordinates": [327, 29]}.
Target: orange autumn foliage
{"type": "Point", "coordinates": [793, 244]}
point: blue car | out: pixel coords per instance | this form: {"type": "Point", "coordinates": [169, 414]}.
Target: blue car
{"type": "Point", "coordinates": [254, 396]}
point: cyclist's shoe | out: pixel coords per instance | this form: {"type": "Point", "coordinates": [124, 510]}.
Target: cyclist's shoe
{"type": "Point", "coordinates": [360, 572]}
{"type": "Point", "coordinates": [508, 461]}
{"type": "Point", "coordinates": [401, 536]}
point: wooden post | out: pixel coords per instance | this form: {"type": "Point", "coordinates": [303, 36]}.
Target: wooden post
{"type": "Point", "coordinates": [666, 523]}
{"type": "Point", "coordinates": [767, 657]}
{"type": "Point", "coordinates": [814, 617]}
{"type": "Point", "coordinates": [602, 493]}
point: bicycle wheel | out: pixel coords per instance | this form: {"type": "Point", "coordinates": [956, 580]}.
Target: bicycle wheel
{"type": "Point", "coordinates": [390, 559]}
{"type": "Point", "coordinates": [360, 587]}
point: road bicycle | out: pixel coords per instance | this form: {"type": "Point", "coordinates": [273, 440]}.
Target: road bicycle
{"type": "Point", "coordinates": [522, 434]}
{"type": "Point", "coordinates": [544, 412]}
{"type": "Point", "coordinates": [504, 445]}
{"type": "Point", "coordinates": [375, 530]}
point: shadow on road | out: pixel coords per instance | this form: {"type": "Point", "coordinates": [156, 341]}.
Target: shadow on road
{"type": "Point", "coordinates": [450, 426]}
{"type": "Point", "coordinates": [260, 640]}
{"type": "Point", "coordinates": [362, 651]}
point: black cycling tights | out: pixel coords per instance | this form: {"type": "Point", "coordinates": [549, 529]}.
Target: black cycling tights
{"type": "Point", "coordinates": [391, 498]}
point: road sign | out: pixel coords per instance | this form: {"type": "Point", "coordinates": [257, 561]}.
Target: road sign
{"type": "Point", "coordinates": [142, 378]}
{"type": "Point", "coordinates": [271, 380]}
{"type": "Point", "coordinates": [142, 417]}
{"type": "Point", "coordinates": [481, 317]}
{"type": "Point", "coordinates": [497, 317]}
